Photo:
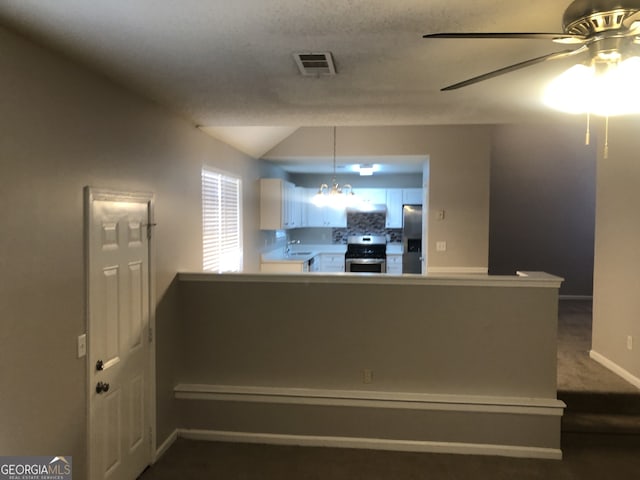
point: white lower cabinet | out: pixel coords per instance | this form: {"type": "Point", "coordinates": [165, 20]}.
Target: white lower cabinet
{"type": "Point", "coordinates": [284, 267]}
{"type": "Point", "coordinates": [330, 262]}
{"type": "Point", "coordinates": [394, 264]}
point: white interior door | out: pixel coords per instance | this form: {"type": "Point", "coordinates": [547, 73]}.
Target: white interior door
{"type": "Point", "coordinates": [120, 436]}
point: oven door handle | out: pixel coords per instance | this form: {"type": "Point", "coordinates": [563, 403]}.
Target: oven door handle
{"type": "Point", "coordinates": [364, 261]}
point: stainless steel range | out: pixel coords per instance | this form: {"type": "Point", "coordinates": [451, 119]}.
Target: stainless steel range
{"type": "Point", "coordinates": [366, 254]}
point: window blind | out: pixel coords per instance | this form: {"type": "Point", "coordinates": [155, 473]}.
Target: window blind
{"type": "Point", "coordinates": [221, 222]}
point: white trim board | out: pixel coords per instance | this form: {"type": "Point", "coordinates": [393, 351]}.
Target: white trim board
{"type": "Point", "coordinates": [475, 279]}
{"type": "Point", "coordinates": [373, 444]}
{"type": "Point", "coordinates": [615, 368]}
{"type": "Point", "coordinates": [162, 449]}
{"type": "Point", "coordinates": [371, 399]}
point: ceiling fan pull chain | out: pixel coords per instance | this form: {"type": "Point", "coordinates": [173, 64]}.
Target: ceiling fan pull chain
{"type": "Point", "coordinates": [587, 138]}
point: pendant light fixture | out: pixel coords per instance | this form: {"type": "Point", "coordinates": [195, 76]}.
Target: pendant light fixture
{"type": "Point", "coordinates": [334, 196]}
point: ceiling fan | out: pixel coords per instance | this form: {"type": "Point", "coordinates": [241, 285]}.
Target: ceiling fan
{"type": "Point", "coordinates": [608, 30]}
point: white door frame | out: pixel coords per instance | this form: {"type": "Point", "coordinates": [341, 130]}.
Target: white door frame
{"type": "Point", "coordinates": [90, 195]}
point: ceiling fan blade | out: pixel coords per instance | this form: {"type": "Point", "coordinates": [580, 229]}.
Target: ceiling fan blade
{"type": "Point", "coordinates": [516, 66]}
{"type": "Point", "coordinates": [631, 19]}
{"type": "Point", "coordinates": [563, 37]}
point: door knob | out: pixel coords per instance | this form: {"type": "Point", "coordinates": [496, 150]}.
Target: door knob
{"type": "Point", "coordinates": [102, 387]}
{"type": "Point", "coordinates": [99, 365]}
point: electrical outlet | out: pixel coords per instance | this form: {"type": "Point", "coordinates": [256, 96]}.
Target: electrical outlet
{"type": "Point", "coordinates": [629, 342]}
{"type": "Point", "coordinates": [367, 375]}
{"type": "Point", "coordinates": [441, 246]}
{"type": "Point", "coordinates": [82, 345]}
{"type": "Point", "coordinates": [440, 215]}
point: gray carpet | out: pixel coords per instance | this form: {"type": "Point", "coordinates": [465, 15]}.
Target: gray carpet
{"type": "Point", "coordinates": [577, 372]}
{"type": "Point", "coordinates": [594, 447]}
{"type": "Point", "coordinates": [598, 401]}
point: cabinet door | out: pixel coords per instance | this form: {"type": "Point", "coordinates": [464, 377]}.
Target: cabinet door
{"type": "Point", "coordinates": [271, 204]}
{"type": "Point", "coordinates": [290, 214]}
{"type": "Point", "coordinates": [324, 216]}
{"type": "Point", "coordinates": [412, 196]}
{"type": "Point", "coordinates": [394, 208]}
{"type": "Point", "coordinates": [372, 195]}
{"type": "Point", "coordinates": [394, 264]}
{"type": "Point", "coordinates": [279, 205]}
{"type": "Point", "coordinates": [330, 262]}
{"type": "Point", "coordinates": [336, 218]}
{"type": "Point", "coordinates": [315, 215]}
{"type": "Point", "coordinates": [300, 210]}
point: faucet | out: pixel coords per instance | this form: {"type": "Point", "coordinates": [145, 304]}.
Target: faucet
{"type": "Point", "coordinates": [287, 250]}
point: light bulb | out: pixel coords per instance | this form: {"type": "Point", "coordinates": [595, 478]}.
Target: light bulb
{"type": "Point", "coordinates": [570, 91]}
{"type": "Point", "coordinates": [607, 91]}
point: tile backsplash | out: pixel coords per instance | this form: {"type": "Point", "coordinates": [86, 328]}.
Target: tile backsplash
{"type": "Point", "coordinates": [366, 223]}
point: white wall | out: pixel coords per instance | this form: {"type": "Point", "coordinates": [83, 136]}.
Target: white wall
{"type": "Point", "coordinates": [459, 161]}
{"type": "Point", "coordinates": [63, 127]}
{"type": "Point", "coordinates": [616, 310]}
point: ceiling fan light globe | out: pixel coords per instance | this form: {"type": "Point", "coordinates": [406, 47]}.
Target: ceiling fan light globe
{"type": "Point", "coordinates": [570, 91]}
{"type": "Point", "coordinates": [615, 90]}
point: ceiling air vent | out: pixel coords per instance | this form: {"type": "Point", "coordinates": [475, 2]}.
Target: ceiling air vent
{"type": "Point", "coordinates": [314, 64]}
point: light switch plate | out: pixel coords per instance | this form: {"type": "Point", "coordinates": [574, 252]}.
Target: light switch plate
{"type": "Point", "coordinates": [441, 246]}
{"type": "Point", "coordinates": [82, 345]}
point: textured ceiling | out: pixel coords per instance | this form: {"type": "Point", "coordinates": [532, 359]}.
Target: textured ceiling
{"type": "Point", "coordinates": [223, 63]}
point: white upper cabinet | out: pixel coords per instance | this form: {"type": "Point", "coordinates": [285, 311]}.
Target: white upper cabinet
{"type": "Point", "coordinates": [323, 216]}
{"type": "Point", "coordinates": [394, 208]}
{"type": "Point", "coordinates": [300, 209]}
{"type": "Point", "coordinates": [280, 207]}
{"type": "Point", "coordinates": [373, 196]}
{"type": "Point", "coordinates": [285, 206]}
{"type": "Point", "coordinates": [412, 196]}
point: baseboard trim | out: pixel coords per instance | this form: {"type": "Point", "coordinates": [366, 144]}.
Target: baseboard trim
{"type": "Point", "coordinates": [615, 368]}
{"type": "Point", "coordinates": [371, 399]}
{"type": "Point", "coordinates": [162, 449]}
{"type": "Point", "coordinates": [372, 444]}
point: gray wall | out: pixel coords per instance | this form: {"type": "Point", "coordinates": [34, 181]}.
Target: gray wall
{"type": "Point", "coordinates": [459, 162]}
{"type": "Point", "coordinates": [543, 203]}
{"type": "Point", "coordinates": [616, 307]}
{"type": "Point", "coordinates": [321, 331]}
{"type": "Point", "coordinates": [315, 334]}
{"type": "Point", "coordinates": [61, 128]}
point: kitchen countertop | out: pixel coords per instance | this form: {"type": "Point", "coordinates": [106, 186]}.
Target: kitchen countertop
{"type": "Point", "coordinates": [303, 253]}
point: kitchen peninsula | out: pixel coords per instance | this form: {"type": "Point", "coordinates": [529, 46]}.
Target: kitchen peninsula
{"type": "Point", "coordinates": [462, 364]}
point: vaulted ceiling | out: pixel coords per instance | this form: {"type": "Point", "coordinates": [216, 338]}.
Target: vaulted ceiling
{"type": "Point", "coordinates": [227, 65]}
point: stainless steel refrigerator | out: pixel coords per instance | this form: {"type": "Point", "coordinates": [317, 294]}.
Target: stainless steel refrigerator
{"type": "Point", "coordinates": [412, 239]}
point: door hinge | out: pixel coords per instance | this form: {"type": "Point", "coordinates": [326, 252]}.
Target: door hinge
{"type": "Point", "coordinates": [150, 335]}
